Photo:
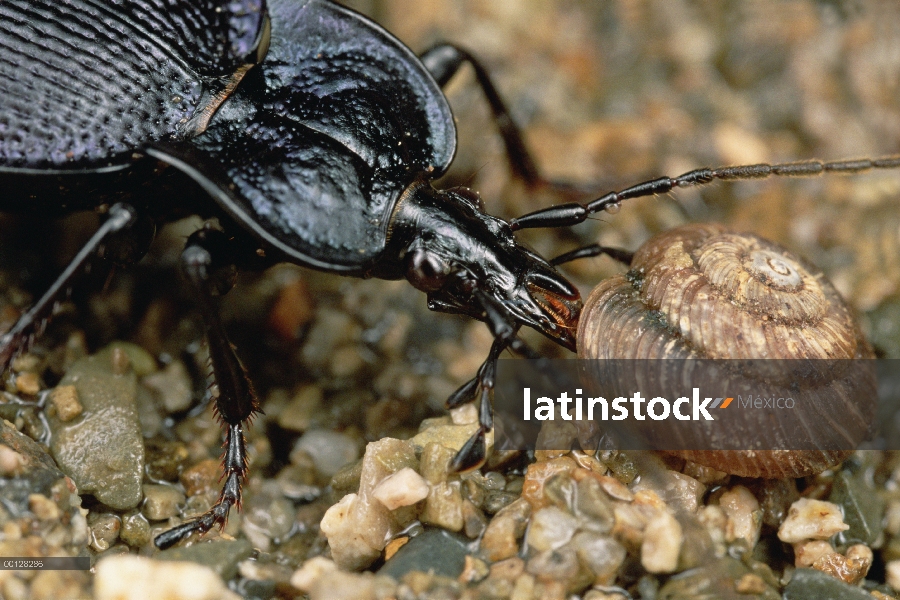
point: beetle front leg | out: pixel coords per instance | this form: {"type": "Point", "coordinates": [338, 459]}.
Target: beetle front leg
{"type": "Point", "coordinates": [473, 454]}
{"type": "Point", "coordinates": [236, 401]}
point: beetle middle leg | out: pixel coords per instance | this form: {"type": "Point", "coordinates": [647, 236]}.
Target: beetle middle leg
{"type": "Point", "coordinates": [120, 218]}
{"type": "Point", "coordinates": [210, 274]}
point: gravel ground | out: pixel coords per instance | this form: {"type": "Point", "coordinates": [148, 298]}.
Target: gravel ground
{"type": "Point", "coordinates": [609, 94]}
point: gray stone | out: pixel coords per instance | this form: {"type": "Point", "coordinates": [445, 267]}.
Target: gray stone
{"type": "Point", "coordinates": [718, 579]}
{"type": "Point", "coordinates": [863, 508]}
{"type": "Point", "coordinates": [221, 557]}
{"type": "Point", "coordinates": [809, 584]}
{"type": "Point", "coordinates": [102, 450]}
{"type": "Point", "coordinates": [434, 550]}
{"type": "Point", "coordinates": [329, 450]}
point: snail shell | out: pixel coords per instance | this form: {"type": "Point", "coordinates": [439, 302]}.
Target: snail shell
{"type": "Point", "coordinates": [701, 291]}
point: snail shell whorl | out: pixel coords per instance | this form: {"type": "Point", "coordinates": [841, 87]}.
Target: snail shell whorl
{"type": "Point", "coordinates": [701, 291]}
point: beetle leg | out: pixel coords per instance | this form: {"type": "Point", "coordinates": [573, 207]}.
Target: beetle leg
{"type": "Point", "coordinates": [236, 401]}
{"type": "Point", "coordinates": [120, 217]}
{"type": "Point", "coordinates": [474, 452]}
{"type": "Point", "coordinates": [623, 256]}
{"type": "Point", "coordinates": [443, 61]}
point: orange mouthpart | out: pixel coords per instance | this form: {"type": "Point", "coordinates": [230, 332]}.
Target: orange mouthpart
{"type": "Point", "coordinates": [563, 311]}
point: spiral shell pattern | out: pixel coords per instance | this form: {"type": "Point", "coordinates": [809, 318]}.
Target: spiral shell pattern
{"type": "Point", "coordinates": [701, 291]}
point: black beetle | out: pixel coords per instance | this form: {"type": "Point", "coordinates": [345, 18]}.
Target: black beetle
{"type": "Point", "coordinates": [312, 133]}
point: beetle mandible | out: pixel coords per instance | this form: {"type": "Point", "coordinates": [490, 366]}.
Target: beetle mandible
{"type": "Point", "coordinates": [314, 135]}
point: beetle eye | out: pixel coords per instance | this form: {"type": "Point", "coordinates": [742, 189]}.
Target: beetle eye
{"type": "Point", "coordinates": [426, 271]}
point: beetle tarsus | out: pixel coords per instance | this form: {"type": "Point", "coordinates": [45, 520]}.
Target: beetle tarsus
{"type": "Point", "coordinates": [472, 455]}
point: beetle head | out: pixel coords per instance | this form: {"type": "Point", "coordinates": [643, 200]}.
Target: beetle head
{"type": "Point", "coordinates": [465, 259]}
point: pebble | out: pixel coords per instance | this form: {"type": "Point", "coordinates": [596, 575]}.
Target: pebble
{"type": "Point", "coordinates": [128, 577]}
{"type": "Point", "coordinates": [809, 584]}
{"type": "Point", "coordinates": [403, 488]}
{"type": "Point", "coordinates": [594, 505]}
{"type": "Point", "coordinates": [65, 400]}
{"type": "Point", "coordinates": [103, 452]}
{"type": "Point", "coordinates": [358, 527]}
{"type": "Point", "coordinates": [602, 554]}
{"type": "Point", "coordinates": [862, 506]}
{"type": "Point", "coordinates": [126, 354]}
{"type": "Point", "coordinates": [474, 521]}
{"type": "Point", "coordinates": [161, 501]}
{"type": "Point", "coordinates": [292, 310]}
{"type": "Point", "coordinates": [264, 571]}
{"type": "Point", "coordinates": [311, 571]}
{"type": "Point", "coordinates": [551, 528]}
{"type": "Point", "coordinates": [268, 516]}
{"type": "Point", "coordinates": [555, 565]}
{"type": "Point", "coordinates": [11, 462]}
{"type": "Point", "coordinates": [501, 537]}
{"type": "Point", "coordinates": [808, 552]}
{"type": "Point", "coordinates": [28, 383]}
{"type": "Point", "coordinates": [892, 570]}
{"type": "Point", "coordinates": [222, 557]}
{"type": "Point", "coordinates": [851, 568]}
{"type": "Point", "coordinates": [201, 477]}
{"type": "Point", "coordinates": [105, 529]}
{"type": "Point", "coordinates": [172, 386]}
{"type": "Point", "coordinates": [329, 450]}
{"type": "Point", "coordinates": [680, 492]}
{"type": "Point", "coordinates": [537, 475]}
{"type": "Point", "coordinates": [719, 579]}
{"type": "Point", "coordinates": [444, 507]}
{"type": "Point", "coordinates": [352, 586]}
{"type": "Point", "coordinates": [165, 460]}
{"type": "Point", "coordinates": [432, 551]}
{"type": "Point", "coordinates": [434, 464]}
{"type": "Point", "coordinates": [474, 571]}
{"type": "Point", "coordinates": [448, 435]}
{"type": "Point", "coordinates": [135, 529]}
{"type": "Point", "coordinates": [811, 519]}
{"type": "Point", "coordinates": [743, 515]}
{"type": "Point", "coordinates": [300, 412]}
{"type": "Point", "coordinates": [30, 471]}
{"type": "Point", "coordinates": [662, 544]}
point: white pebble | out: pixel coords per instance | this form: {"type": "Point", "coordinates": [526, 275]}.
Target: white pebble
{"type": "Point", "coordinates": [893, 574]}
{"type": "Point", "coordinates": [811, 520]}
{"type": "Point", "coordinates": [662, 544]}
{"type": "Point", "coordinates": [743, 513]}
{"type": "Point", "coordinates": [11, 462]}
{"type": "Point", "coordinates": [127, 577]}
{"type": "Point", "coordinates": [312, 571]}
{"type": "Point", "coordinates": [403, 488]}
{"type": "Point", "coordinates": [551, 528]}
{"type": "Point", "coordinates": [355, 532]}
{"type": "Point", "coordinates": [806, 553]}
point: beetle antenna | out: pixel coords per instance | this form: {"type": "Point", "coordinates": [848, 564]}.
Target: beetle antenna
{"type": "Point", "coordinates": [572, 213]}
